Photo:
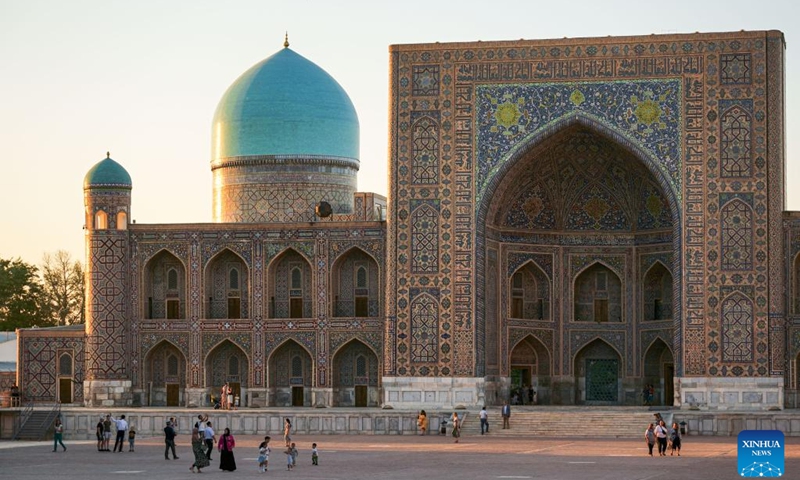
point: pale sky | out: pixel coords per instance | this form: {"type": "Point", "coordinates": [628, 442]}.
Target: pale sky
{"type": "Point", "coordinates": [142, 79]}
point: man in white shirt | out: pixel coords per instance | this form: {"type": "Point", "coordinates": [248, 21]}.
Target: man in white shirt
{"type": "Point", "coordinates": [484, 420]}
{"type": "Point", "coordinates": [209, 437]}
{"type": "Point", "coordinates": [122, 427]}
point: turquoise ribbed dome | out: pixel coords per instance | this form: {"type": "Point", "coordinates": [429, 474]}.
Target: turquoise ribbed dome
{"type": "Point", "coordinates": [285, 105]}
{"type": "Point", "coordinates": [107, 173]}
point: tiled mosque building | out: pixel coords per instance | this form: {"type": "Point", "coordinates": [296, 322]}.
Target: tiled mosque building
{"type": "Point", "coordinates": [586, 216]}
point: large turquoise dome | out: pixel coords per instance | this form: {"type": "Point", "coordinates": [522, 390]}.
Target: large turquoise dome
{"type": "Point", "coordinates": [285, 105]}
{"type": "Point", "coordinates": [107, 173]}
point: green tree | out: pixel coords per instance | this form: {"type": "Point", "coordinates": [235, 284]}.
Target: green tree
{"type": "Point", "coordinates": [63, 289]}
{"type": "Point", "coordinates": [20, 296]}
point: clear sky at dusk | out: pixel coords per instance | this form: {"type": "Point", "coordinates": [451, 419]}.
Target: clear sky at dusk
{"type": "Point", "coordinates": [142, 79]}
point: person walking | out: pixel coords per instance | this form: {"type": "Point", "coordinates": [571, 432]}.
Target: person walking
{"type": "Point", "coordinates": [506, 412]}
{"type": "Point", "coordinates": [456, 426]}
{"type": "Point", "coordinates": [422, 422]}
{"type": "Point", "coordinates": [314, 454]}
{"type": "Point", "coordinates": [122, 427]}
{"type": "Point", "coordinates": [210, 438]}
{"type": "Point", "coordinates": [225, 447]}
{"type": "Point", "coordinates": [263, 455]}
{"type": "Point", "coordinates": [675, 439]}
{"type": "Point", "coordinates": [198, 442]}
{"type": "Point", "coordinates": [169, 441]}
{"type": "Point", "coordinates": [661, 438]}
{"type": "Point", "coordinates": [650, 439]}
{"type": "Point", "coordinates": [484, 420]}
{"type": "Point", "coordinates": [223, 397]}
{"type": "Point", "coordinates": [58, 435]}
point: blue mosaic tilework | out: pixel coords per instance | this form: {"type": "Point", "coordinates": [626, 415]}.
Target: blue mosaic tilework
{"type": "Point", "coordinates": [646, 112]}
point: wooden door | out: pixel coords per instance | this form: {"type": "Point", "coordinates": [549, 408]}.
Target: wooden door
{"type": "Point", "coordinates": [296, 308]}
{"type": "Point", "coordinates": [361, 395]}
{"type": "Point", "coordinates": [173, 309]}
{"type": "Point", "coordinates": [65, 390]}
{"type": "Point", "coordinates": [362, 306]}
{"type": "Point", "coordinates": [669, 388]}
{"type": "Point", "coordinates": [297, 396]}
{"type": "Point", "coordinates": [234, 308]}
{"type": "Point", "coordinates": [173, 394]}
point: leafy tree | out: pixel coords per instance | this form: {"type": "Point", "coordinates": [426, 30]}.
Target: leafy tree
{"type": "Point", "coordinates": [63, 289]}
{"type": "Point", "coordinates": [20, 296]}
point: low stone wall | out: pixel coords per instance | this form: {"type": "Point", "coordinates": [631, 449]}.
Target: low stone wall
{"type": "Point", "coordinates": [730, 424]}
{"type": "Point", "coordinates": [80, 423]}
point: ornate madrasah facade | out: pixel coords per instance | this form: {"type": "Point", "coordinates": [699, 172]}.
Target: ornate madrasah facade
{"type": "Point", "coordinates": [587, 216]}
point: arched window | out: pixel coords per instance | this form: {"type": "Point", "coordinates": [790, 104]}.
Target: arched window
{"type": "Point", "coordinates": [100, 220]}
{"type": "Point", "coordinates": [361, 277]}
{"type": "Point", "coordinates": [65, 364]}
{"type": "Point", "coordinates": [172, 279]}
{"type": "Point", "coordinates": [297, 279]}
{"type": "Point", "coordinates": [172, 365]}
{"type": "Point", "coordinates": [297, 366]}
{"type": "Point", "coordinates": [361, 366]}
{"type": "Point", "coordinates": [122, 221]}
{"type": "Point", "coordinates": [234, 279]}
{"type": "Point", "coordinates": [233, 365]}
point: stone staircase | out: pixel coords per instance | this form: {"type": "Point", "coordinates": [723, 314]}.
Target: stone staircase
{"type": "Point", "coordinates": [37, 424]}
{"type": "Point", "coordinates": [618, 422]}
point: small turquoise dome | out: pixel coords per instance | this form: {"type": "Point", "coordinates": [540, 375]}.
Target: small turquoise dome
{"type": "Point", "coordinates": [285, 105]}
{"type": "Point", "coordinates": [107, 173]}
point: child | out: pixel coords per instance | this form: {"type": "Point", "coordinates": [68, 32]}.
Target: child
{"type": "Point", "coordinates": [263, 455]}
{"type": "Point", "coordinates": [314, 454]}
{"type": "Point", "coordinates": [288, 453]}
{"type": "Point", "coordinates": [294, 455]}
{"type": "Point", "coordinates": [131, 438]}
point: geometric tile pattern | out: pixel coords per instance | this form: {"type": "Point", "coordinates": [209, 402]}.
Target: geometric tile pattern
{"type": "Point", "coordinates": [735, 69]}
{"type": "Point", "coordinates": [735, 139]}
{"type": "Point", "coordinates": [737, 236]}
{"type": "Point", "coordinates": [425, 168]}
{"type": "Point", "coordinates": [424, 329]}
{"type": "Point", "coordinates": [737, 329]}
{"type": "Point", "coordinates": [425, 240]}
{"type": "Point", "coordinates": [426, 80]}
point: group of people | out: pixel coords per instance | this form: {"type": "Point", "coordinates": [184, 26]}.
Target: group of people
{"type": "Point", "coordinates": [103, 432]}
{"type": "Point", "coordinates": [227, 400]}
{"type": "Point", "coordinates": [204, 439]}
{"type": "Point", "coordinates": [455, 420]}
{"type": "Point", "coordinates": [658, 432]}
{"type": "Point", "coordinates": [524, 395]}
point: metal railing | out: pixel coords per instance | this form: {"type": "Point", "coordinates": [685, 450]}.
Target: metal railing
{"type": "Point", "coordinates": [22, 419]}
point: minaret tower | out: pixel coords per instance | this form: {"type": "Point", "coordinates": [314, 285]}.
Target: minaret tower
{"type": "Point", "coordinates": [107, 199]}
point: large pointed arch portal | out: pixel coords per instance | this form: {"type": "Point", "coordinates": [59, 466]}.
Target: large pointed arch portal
{"type": "Point", "coordinates": [588, 205]}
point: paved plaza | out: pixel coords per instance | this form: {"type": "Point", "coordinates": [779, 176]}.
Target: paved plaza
{"type": "Point", "coordinates": [397, 457]}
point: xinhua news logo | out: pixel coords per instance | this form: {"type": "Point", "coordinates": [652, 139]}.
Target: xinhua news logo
{"type": "Point", "coordinates": [760, 453]}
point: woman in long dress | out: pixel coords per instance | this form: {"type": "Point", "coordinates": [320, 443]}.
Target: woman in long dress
{"type": "Point", "coordinates": [456, 427]}
{"type": "Point", "coordinates": [422, 422]}
{"type": "Point", "coordinates": [225, 447]}
{"type": "Point", "coordinates": [287, 431]}
{"type": "Point", "coordinates": [200, 459]}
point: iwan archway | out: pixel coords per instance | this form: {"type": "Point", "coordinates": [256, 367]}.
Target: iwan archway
{"type": "Point", "coordinates": [585, 212]}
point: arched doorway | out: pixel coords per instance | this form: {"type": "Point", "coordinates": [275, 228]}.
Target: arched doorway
{"type": "Point", "coordinates": [587, 205]}
{"type": "Point", "coordinates": [164, 287]}
{"type": "Point", "coordinates": [657, 291]}
{"type": "Point", "coordinates": [227, 363]}
{"type": "Point", "coordinates": [530, 293]}
{"type": "Point", "coordinates": [659, 371]}
{"type": "Point", "coordinates": [227, 286]}
{"type": "Point", "coordinates": [598, 374]}
{"type": "Point", "coordinates": [165, 375]}
{"type": "Point", "coordinates": [355, 283]}
{"type": "Point", "coordinates": [290, 376]}
{"type": "Point", "coordinates": [529, 365]}
{"type": "Point", "coordinates": [290, 286]}
{"type": "Point", "coordinates": [355, 376]}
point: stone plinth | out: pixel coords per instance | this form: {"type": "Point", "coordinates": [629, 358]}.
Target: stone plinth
{"type": "Point", "coordinates": [446, 392]}
{"type": "Point", "coordinates": [735, 394]}
{"type": "Point", "coordinates": [107, 393]}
